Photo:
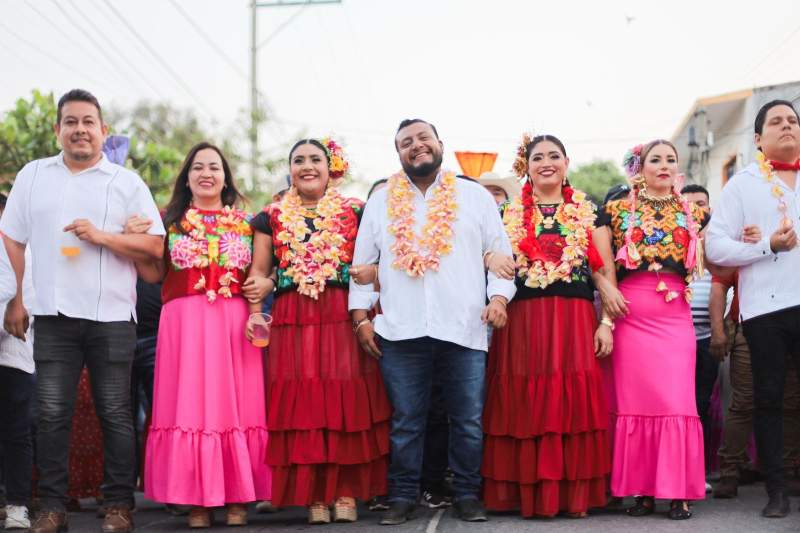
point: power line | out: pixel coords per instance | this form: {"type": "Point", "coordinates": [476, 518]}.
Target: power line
{"type": "Point", "coordinates": [97, 45]}
{"type": "Point", "coordinates": [52, 57]}
{"type": "Point", "coordinates": [283, 25]}
{"type": "Point", "coordinates": [214, 46]}
{"type": "Point", "coordinates": [770, 52]}
{"type": "Point", "coordinates": [118, 50]}
{"type": "Point", "coordinates": [160, 60]}
{"type": "Point", "coordinates": [67, 37]}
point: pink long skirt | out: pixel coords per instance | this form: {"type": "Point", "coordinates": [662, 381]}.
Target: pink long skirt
{"type": "Point", "coordinates": [208, 441]}
{"type": "Point", "coordinates": [650, 381]}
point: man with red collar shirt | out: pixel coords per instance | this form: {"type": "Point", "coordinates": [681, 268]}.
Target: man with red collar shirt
{"type": "Point", "coordinates": [766, 194]}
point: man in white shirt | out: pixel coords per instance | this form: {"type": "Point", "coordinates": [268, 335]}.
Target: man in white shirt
{"type": "Point", "coordinates": [17, 385]}
{"type": "Point", "coordinates": [70, 210]}
{"type": "Point", "coordinates": [433, 321]}
{"type": "Point", "coordinates": [769, 285]}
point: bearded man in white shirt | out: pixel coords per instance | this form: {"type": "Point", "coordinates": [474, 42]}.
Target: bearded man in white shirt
{"type": "Point", "coordinates": [429, 232]}
{"type": "Point", "coordinates": [70, 210]}
{"type": "Point", "coordinates": [766, 194]}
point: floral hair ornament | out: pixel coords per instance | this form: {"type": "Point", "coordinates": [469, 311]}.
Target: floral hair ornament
{"type": "Point", "coordinates": [520, 166]}
{"type": "Point", "coordinates": [338, 165]}
{"type": "Point", "coordinates": [632, 161]}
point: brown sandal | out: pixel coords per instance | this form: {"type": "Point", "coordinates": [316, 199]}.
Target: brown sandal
{"type": "Point", "coordinates": [344, 510]}
{"type": "Point", "coordinates": [319, 514]}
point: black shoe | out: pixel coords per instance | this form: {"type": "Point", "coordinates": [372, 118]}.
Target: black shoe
{"type": "Point", "coordinates": [679, 510]}
{"type": "Point", "coordinates": [378, 503]}
{"type": "Point", "coordinates": [728, 487]}
{"type": "Point", "coordinates": [398, 513]}
{"type": "Point", "coordinates": [777, 507]}
{"type": "Point", "coordinates": [643, 506]}
{"type": "Point", "coordinates": [434, 500]}
{"type": "Point", "coordinates": [470, 510]}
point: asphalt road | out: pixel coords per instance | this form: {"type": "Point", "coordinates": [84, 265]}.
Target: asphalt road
{"type": "Point", "coordinates": [723, 516]}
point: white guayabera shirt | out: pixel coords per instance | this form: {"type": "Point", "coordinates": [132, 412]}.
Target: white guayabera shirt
{"type": "Point", "coordinates": [96, 284]}
{"type": "Point", "coordinates": [444, 304]}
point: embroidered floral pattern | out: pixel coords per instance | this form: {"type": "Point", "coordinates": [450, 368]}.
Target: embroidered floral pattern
{"type": "Point", "coordinates": [223, 238]}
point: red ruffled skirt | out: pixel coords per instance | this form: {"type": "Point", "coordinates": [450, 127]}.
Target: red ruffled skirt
{"type": "Point", "coordinates": [546, 419]}
{"type": "Point", "coordinates": [328, 414]}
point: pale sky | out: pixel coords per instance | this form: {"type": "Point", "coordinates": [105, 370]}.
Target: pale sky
{"type": "Point", "coordinates": [601, 75]}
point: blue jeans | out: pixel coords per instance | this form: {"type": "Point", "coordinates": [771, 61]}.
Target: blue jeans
{"type": "Point", "coordinates": [409, 368]}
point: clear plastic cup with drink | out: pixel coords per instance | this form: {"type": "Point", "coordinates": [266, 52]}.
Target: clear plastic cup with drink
{"type": "Point", "coordinates": [260, 323]}
{"type": "Point", "coordinates": [70, 244]}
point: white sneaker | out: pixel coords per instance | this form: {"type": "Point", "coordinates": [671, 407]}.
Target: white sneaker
{"type": "Point", "coordinates": [17, 517]}
{"type": "Point", "coordinates": [708, 487]}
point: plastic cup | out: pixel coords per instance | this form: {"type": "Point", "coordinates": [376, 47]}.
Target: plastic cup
{"type": "Point", "coordinates": [260, 323]}
{"type": "Point", "coordinates": [70, 245]}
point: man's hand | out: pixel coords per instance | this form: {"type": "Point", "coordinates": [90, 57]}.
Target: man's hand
{"type": "Point", "coordinates": [366, 338]}
{"type": "Point", "coordinates": [85, 231]}
{"type": "Point", "coordinates": [495, 313]}
{"type": "Point", "coordinates": [16, 320]}
{"type": "Point", "coordinates": [719, 343]}
{"type": "Point", "coordinates": [256, 288]}
{"type": "Point", "coordinates": [783, 240]}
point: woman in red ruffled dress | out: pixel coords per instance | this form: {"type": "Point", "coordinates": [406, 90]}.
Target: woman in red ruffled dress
{"type": "Point", "coordinates": [206, 445]}
{"type": "Point", "coordinates": [328, 415]}
{"type": "Point", "coordinates": [546, 419]}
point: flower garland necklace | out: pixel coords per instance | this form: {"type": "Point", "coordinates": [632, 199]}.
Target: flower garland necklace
{"type": "Point", "coordinates": [522, 219]}
{"type": "Point", "coordinates": [765, 166]}
{"type": "Point", "coordinates": [437, 233]}
{"type": "Point", "coordinates": [312, 261]}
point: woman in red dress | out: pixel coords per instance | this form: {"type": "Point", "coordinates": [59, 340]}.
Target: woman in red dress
{"type": "Point", "coordinates": [546, 419]}
{"type": "Point", "coordinates": [328, 415]}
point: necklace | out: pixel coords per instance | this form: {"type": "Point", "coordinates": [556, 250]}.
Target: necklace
{"type": "Point", "coordinates": [657, 201]}
{"type": "Point", "coordinates": [777, 191]}
{"type": "Point", "coordinates": [437, 233]}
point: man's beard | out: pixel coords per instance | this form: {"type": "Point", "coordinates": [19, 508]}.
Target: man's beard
{"type": "Point", "coordinates": [425, 169]}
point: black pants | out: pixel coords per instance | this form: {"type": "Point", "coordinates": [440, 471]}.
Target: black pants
{"type": "Point", "coordinates": [706, 370]}
{"type": "Point", "coordinates": [771, 339]}
{"type": "Point", "coordinates": [62, 346]}
{"type": "Point", "coordinates": [142, 378]}
{"type": "Point", "coordinates": [16, 393]}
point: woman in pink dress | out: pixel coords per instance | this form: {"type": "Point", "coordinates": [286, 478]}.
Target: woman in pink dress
{"type": "Point", "coordinates": [657, 436]}
{"type": "Point", "coordinates": [206, 446]}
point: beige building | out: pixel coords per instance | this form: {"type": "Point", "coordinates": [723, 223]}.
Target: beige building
{"type": "Point", "coordinates": [715, 139]}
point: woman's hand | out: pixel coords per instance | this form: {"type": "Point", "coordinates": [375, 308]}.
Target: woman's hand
{"type": "Point", "coordinates": [256, 288]}
{"type": "Point", "coordinates": [614, 302]}
{"type": "Point", "coordinates": [603, 341]}
{"type": "Point", "coordinates": [248, 330]}
{"type": "Point", "coordinates": [364, 274]}
{"type": "Point", "coordinates": [500, 265]}
{"type": "Point", "coordinates": [137, 224]}
{"type": "Point", "coordinates": [751, 234]}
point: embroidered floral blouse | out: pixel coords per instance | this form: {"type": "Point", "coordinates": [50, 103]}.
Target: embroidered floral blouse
{"type": "Point", "coordinates": [210, 256]}
{"type": "Point", "coordinates": [551, 235]}
{"type": "Point", "coordinates": [268, 222]}
{"type": "Point", "coordinates": [660, 234]}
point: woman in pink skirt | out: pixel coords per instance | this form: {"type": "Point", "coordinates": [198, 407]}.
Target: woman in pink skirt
{"type": "Point", "coordinates": [657, 436]}
{"type": "Point", "coordinates": [206, 447]}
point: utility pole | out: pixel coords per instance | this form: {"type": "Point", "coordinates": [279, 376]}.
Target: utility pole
{"type": "Point", "coordinates": [254, 46]}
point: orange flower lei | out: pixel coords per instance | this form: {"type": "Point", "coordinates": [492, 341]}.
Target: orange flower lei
{"type": "Point", "coordinates": [312, 262]}
{"type": "Point", "coordinates": [769, 176]}
{"type": "Point", "coordinates": [576, 216]}
{"type": "Point", "coordinates": [437, 232]}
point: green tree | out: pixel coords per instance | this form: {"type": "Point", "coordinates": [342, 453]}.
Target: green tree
{"type": "Point", "coordinates": [596, 178]}
{"type": "Point", "coordinates": [26, 133]}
